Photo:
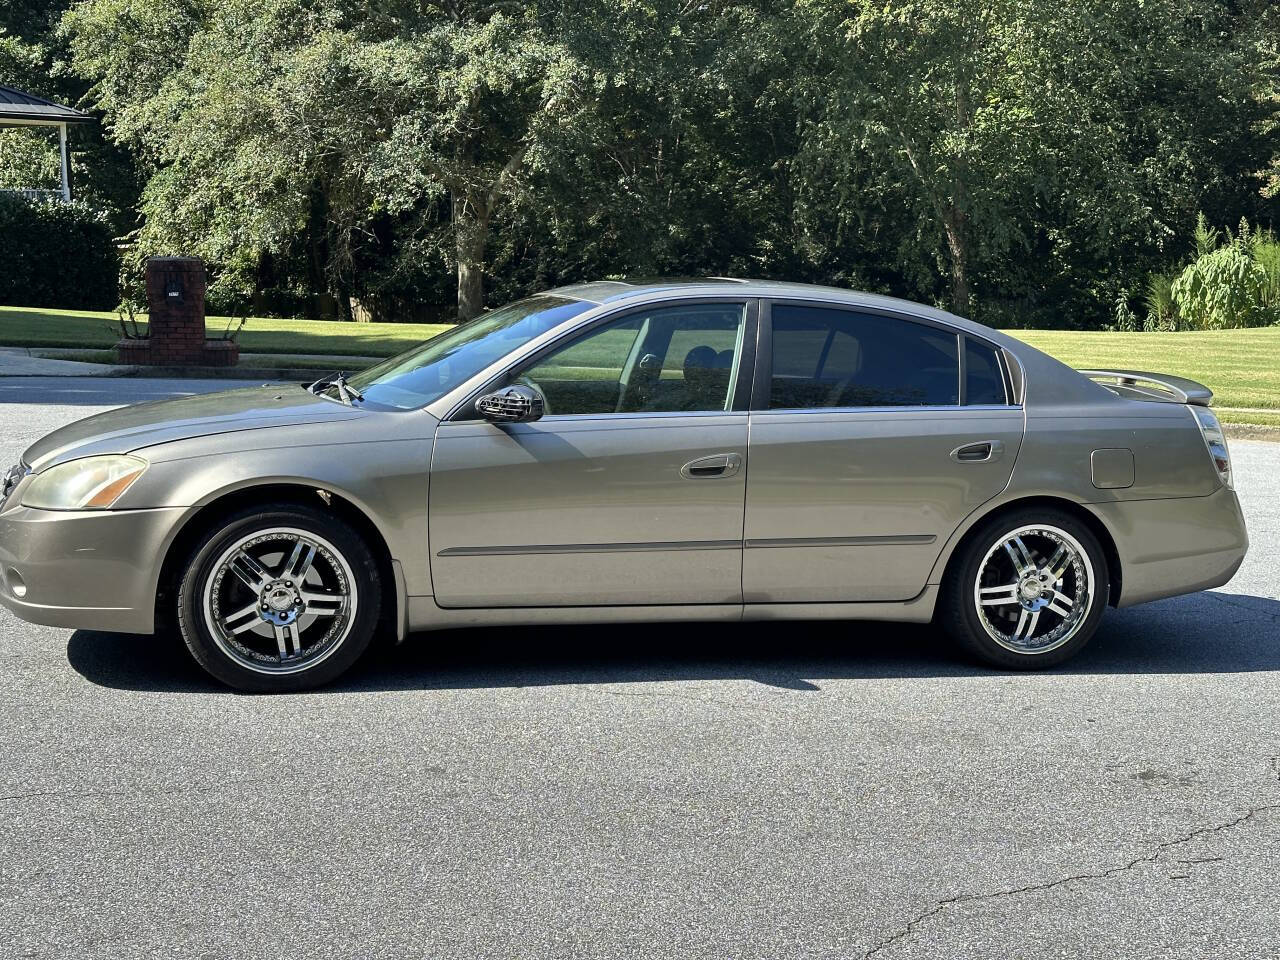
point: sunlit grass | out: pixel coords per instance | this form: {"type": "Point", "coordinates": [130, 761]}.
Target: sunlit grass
{"type": "Point", "coordinates": [22, 327]}
{"type": "Point", "coordinates": [1242, 367]}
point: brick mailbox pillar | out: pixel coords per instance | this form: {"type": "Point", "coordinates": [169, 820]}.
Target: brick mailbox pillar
{"type": "Point", "coordinates": [175, 302]}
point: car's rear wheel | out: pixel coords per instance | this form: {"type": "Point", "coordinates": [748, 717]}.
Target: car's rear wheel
{"type": "Point", "coordinates": [279, 598]}
{"type": "Point", "coordinates": [1028, 590]}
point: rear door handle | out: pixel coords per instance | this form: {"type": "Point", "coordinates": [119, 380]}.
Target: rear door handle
{"type": "Point", "coordinates": [983, 451]}
{"type": "Point", "coordinates": [714, 467]}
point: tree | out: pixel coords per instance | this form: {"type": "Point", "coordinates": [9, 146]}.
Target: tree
{"type": "Point", "coordinates": [261, 120]}
{"type": "Point", "coordinates": [1022, 161]}
{"type": "Point", "coordinates": [32, 58]}
{"type": "Point", "coordinates": [681, 166]}
{"type": "Point", "coordinates": [1031, 140]}
{"type": "Point", "coordinates": [472, 97]}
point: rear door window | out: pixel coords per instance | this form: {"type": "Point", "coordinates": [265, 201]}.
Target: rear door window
{"type": "Point", "coordinates": [828, 357]}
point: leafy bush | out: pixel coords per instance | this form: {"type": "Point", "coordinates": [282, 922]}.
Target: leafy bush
{"type": "Point", "coordinates": [55, 254]}
{"type": "Point", "coordinates": [1223, 288]}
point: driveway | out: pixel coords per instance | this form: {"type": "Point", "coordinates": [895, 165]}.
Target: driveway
{"type": "Point", "coordinates": [811, 790]}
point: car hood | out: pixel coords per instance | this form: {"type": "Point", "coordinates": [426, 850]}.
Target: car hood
{"type": "Point", "coordinates": [131, 428]}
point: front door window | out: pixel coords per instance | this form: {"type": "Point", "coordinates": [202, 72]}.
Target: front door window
{"type": "Point", "coordinates": [674, 359]}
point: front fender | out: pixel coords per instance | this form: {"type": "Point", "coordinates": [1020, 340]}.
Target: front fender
{"type": "Point", "coordinates": [386, 480]}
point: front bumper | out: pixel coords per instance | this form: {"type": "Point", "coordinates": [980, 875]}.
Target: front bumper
{"type": "Point", "coordinates": [92, 570]}
{"type": "Point", "coordinates": [1171, 547]}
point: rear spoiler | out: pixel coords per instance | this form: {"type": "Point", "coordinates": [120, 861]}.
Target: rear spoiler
{"type": "Point", "coordinates": [1137, 385]}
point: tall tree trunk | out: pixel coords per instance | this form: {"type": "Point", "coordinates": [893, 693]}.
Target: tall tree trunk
{"type": "Point", "coordinates": [955, 218]}
{"type": "Point", "coordinates": [262, 278]}
{"type": "Point", "coordinates": [471, 231]}
{"type": "Point", "coordinates": [324, 305]}
{"type": "Point", "coordinates": [953, 222]}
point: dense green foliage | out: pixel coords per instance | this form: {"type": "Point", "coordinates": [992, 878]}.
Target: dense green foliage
{"type": "Point", "coordinates": [56, 254]}
{"type": "Point", "coordinates": [1230, 281]}
{"type": "Point", "coordinates": [1024, 162]}
{"type": "Point", "coordinates": [1223, 289]}
{"type": "Point", "coordinates": [34, 57]}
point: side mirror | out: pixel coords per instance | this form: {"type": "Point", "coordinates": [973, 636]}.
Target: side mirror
{"type": "Point", "coordinates": [514, 404]}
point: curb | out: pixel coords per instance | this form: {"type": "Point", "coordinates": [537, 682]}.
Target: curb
{"type": "Point", "coordinates": [299, 374]}
{"type": "Point", "coordinates": [190, 373]}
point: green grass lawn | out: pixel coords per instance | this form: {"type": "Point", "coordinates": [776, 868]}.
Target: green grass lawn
{"type": "Point", "coordinates": [23, 327]}
{"type": "Point", "coordinates": [1242, 367]}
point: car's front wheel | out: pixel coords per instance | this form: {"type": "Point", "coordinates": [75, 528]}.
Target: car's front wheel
{"type": "Point", "coordinates": [1028, 590]}
{"type": "Point", "coordinates": [279, 598]}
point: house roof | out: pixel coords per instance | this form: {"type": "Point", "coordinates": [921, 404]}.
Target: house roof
{"type": "Point", "coordinates": [17, 105]}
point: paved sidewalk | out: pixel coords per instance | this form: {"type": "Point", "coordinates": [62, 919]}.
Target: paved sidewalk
{"type": "Point", "coordinates": [355, 361]}
{"type": "Point", "coordinates": [27, 362]}
{"type": "Point", "coordinates": [19, 362]}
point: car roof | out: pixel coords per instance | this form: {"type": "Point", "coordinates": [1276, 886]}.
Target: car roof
{"type": "Point", "coordinates": [616, 291]}
{"type": "Point", "coordinates": [612, 291]}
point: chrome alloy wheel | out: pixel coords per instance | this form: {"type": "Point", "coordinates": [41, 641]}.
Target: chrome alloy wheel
{"type": "Point", "coordinates": [1034, 589]}
{"type": "Point", "coordinates": [280, 600]}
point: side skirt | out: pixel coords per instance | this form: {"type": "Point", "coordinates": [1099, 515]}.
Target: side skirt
{"type": "Point", "coordinates": [424, 614]}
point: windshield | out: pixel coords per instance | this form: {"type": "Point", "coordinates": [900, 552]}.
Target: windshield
{"type": "Point", "coordinates": [427, 372]}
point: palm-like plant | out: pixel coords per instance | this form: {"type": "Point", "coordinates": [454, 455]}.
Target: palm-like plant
{"type": "Point", "coordinates": [1266, 254]}
{"type": "Point", "coordinates": [1206, 236]}
{"type": "Point", "coordinates": [1162, 310]}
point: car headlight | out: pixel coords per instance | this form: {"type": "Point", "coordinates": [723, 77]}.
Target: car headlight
{"type": "Point", "coordinates": [1216, 440]}
{"type": "Point", "coordinates": [93, 483]}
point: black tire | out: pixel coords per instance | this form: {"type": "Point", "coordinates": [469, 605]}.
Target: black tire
{"type": "Point", "coordinates": [340, 544]}
{"type": "Point", "coordinates": [958, 611]}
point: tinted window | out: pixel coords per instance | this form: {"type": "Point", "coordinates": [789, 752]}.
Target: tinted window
{"type": "Point", "coordinates": [983, 381]}
{"type": "Point", "coordinates": [667, 360]}
{"type": "Point", "coordinates": [824, 357]}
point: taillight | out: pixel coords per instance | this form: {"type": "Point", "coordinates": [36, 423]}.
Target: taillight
{"type": "Point", "coordinates": [1216, 441]}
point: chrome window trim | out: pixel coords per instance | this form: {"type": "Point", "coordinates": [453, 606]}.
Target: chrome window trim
{"type": "Point", "coordinates": [935, 410]}
{"type": "Point", "coordinates": [628, 417]}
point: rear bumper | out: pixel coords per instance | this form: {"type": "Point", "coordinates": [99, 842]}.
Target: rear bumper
{"type": "Point", "coordinates": [94, 570]}
{"type": "Point", "coordinates": [1171, 547]}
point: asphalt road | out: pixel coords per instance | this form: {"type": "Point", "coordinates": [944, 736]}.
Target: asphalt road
{"type": "Point", "coordinates": [842, 790]}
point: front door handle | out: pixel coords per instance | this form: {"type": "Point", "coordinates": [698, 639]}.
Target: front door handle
{"type": "Point", "coordinates": [714, 467]}
{"type": "Point", "coordinates": [983, 451]}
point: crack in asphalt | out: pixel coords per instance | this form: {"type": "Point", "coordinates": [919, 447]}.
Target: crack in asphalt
{"type": "Point", "coordinates": [1257, 614]}
{"type": "Point", "coordinates": [1152, 857]}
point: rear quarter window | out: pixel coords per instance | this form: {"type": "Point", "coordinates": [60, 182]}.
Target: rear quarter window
{"type": "Point", "coordinates": [983, 378]}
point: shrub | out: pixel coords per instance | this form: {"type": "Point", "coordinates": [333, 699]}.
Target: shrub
{"type": "Point", "coordinates": [1223, 288]}
{"type": "Point", "coordinates": [1125, 320]}
{"type": "Point", "coordinates": [1162, 311]}
{"type": "Point", "coordinates": [1266, 254]}
{"type": "Point", "coordinates": [55, 254]}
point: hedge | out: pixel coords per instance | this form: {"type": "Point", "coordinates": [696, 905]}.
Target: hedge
{"type": "Point", "coordinates": [55, 254]}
